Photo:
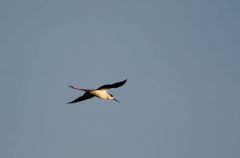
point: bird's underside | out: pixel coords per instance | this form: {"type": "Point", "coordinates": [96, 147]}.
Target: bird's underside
{"type": "Point", "coordinates": [100, 92]}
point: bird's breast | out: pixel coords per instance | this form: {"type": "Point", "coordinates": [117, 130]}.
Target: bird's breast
{"type": "Point", "coordinates": [100, 94]}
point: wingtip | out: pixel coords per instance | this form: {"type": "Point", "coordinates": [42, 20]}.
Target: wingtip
{"type": "Point", "coordinates": [70, 102]}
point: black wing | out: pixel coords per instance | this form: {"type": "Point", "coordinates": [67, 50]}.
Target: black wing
{"type": "Point", "coordinates": [85, 96]}
{"type": "Point", "coordinates": [114, 85]}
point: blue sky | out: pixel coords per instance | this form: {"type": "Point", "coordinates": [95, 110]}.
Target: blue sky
{"type": "Point", "coordinates": [181, 59]}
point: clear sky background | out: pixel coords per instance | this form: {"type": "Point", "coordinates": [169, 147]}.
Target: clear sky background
{"type": "Point", "coordinates": [181, 58]}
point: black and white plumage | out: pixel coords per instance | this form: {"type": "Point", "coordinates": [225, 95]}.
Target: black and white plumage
{"type": "Point", "coordinates": [101, 92]}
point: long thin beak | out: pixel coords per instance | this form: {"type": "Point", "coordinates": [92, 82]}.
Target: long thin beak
{"type": "Point", "coordinates": [116, 100]}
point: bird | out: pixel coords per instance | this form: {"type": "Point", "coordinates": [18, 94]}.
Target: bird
{"type": "Point", "coordinates": [101, 92]}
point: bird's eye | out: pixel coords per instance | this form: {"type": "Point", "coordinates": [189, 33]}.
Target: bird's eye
{"type": "Point", "coordinates": [111, 95]}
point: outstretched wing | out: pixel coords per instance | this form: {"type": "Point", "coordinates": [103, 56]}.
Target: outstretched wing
{"type": "Point", "coordinates": [85, 96]}
{"type": "Point", "coordinates": [114, 85]}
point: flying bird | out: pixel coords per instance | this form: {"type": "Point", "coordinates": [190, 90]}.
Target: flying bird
{"type": "Point", "coordinates": [101, 92]}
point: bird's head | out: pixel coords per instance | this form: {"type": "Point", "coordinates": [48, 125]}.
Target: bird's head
{"type": "Point", "coordinates": [113, 98]}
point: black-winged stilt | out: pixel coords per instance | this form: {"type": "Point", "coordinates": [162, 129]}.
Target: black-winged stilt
{"type": "Point", "coordinates": [101, 92]}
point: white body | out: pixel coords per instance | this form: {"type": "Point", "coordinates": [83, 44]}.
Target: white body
{"type": "Point", "coordinates": [103, 94]}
